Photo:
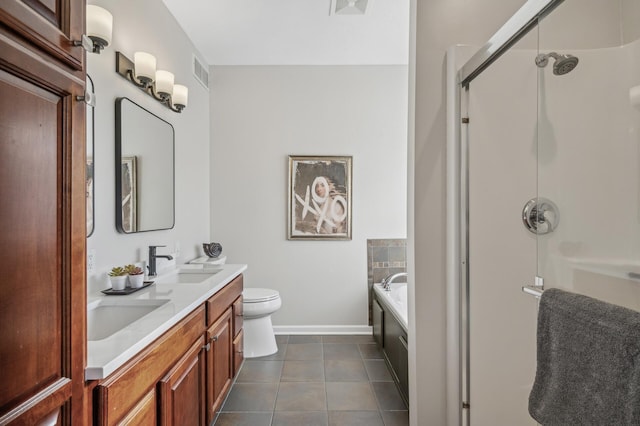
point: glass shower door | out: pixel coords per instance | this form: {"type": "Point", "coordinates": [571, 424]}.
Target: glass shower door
{"type": "Point", "coordinates": [587, 149]}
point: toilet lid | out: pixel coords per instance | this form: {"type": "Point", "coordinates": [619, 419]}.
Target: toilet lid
{"type": "Point", "coordinates": [253, 295]}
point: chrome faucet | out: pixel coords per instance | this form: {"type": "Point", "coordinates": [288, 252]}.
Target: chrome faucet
{"type": "Point", "coordinates": [386, 283]}
{"type": "Point", "coordinates": [152, 260]}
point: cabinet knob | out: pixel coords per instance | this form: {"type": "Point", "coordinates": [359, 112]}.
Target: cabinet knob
{"type": "Point", "coordinates": [214, 339]}
{"type": "Point", "coordinates": [207, 347]}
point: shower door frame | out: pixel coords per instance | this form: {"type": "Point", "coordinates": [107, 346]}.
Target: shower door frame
{"type": "Point", "coordinates": [457, 232]}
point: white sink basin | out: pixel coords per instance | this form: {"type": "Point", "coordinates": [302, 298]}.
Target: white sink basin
{"type": "Point", "coordinates": [107, 317]}
{"type": "Point", "coordinates": [187, 276]}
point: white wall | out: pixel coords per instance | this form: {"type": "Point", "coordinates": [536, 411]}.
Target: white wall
{"type": "Point", "coordinates": [147, 25]}
{"type": "Point", "coordinates": [262, 114]}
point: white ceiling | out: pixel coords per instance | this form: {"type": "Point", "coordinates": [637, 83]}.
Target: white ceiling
{"type": "Point", "coordinates": [294, 32]}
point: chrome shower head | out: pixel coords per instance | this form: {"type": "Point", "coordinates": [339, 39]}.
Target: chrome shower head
{"type": "Point", "coordinates": [564, 63]}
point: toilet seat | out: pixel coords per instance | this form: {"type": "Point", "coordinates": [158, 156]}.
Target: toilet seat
{"type": "Point", "coordinates": [259, 295]}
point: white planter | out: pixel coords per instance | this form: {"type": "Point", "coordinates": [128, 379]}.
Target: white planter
{"type": "Point", "coordinates": [136, 281]}
{"type": "Point", "coordinates": [118, 283]}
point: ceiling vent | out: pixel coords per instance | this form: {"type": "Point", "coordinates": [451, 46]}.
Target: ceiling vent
{"type": "Point", "coordinates": [349, 7]}
{"type": "Point", "coordinates": [200, 72]}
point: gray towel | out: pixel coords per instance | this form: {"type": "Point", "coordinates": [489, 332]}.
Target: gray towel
{"type": "Point", "coordinates": [588, 367]}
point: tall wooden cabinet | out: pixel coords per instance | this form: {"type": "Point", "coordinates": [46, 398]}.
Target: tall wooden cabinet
{"type": "Point", "coordinates": [42, 212]}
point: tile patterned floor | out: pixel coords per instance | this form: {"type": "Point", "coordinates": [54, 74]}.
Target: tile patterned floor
{"type": "Point", "coordinates": [315, 381]}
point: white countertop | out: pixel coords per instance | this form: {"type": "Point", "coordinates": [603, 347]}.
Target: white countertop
{"type": "Point", "coordinates": [107, 355]}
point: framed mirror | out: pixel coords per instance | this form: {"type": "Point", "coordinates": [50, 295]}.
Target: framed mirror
{"type": "Point", "coordinates": [145, 189]}
{"type": "Point", "coordinates": [89, 173]}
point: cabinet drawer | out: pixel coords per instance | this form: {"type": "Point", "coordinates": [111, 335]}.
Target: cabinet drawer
{"type": "Point", "coordinates": [238, 316]}
{"type": "Point", "coordinates": [219, 302]}
{"type": "Point", "coordinates": [238, 352]}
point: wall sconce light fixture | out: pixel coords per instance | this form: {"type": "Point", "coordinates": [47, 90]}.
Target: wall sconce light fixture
{"type": "Point", "coordinates": [99, 29]}
{"type": "Point", "coordinates": [156, 83]}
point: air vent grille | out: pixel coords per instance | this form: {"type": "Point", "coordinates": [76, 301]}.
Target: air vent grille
{"type": "Point", "coordinates": [200, 72]}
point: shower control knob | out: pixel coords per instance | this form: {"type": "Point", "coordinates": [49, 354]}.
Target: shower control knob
{"type": "Point", "coordinates": [540, 216]}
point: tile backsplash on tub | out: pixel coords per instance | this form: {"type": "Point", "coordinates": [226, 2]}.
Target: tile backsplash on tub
{"type": "Point", "coordinates": [384, 257]}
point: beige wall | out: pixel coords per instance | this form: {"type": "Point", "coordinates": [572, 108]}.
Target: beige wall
{"type": "Point", "coordinates": [439, 25]}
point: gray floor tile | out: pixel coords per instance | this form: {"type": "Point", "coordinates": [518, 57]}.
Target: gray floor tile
{"type": "Point", "coordinates": [388, 396]}
{"type": "Point", "coordinates": [244, 419]}
{"type": "Point", "coordinates": [345, 370]}
{"type": "Point", "coordinates": [395, 418]}
{"type": "Point", "coordinates": [294, 396]}
{"type": "Point", "coordinates": [316, 381]}
{"type": "Point", "coordinates": [355, 418]}
{"type": "Point", "coordinates": [304, 352]}
{"type": "Point", "coordinates": [300, 418]}
{"type": "Point", "coordinates": [341, 351]}
{"type": "Point", "coordinates": [348, 339]}
{"type": "Point", "coordinates": [253, 371]}
{"type": "Point", "coordinates": [278, 356]}
{"type": "Point", "coordinates": [305, 339]}
{"type": "Point", "coordinates": [251, 397]}
{"type": "Point", "coordinates": [377, 370]}
{"type": "Point", "coordinates": [350, 396]}
{"type": "Point", "coordinates": [370, 351]}
{"type": "Point", "coordinates": [303, 371]}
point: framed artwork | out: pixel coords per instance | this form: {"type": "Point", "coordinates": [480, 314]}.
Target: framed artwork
{"type": "Point", "coordinates": [319, 198]}
{"type": "Point", "coordinates": [129, 194]}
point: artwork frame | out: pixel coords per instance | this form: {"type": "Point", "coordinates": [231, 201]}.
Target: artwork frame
{"type": "Point", "coordinates": [319, 197]}
{"type": "Point", "coordinates": [129, 199]}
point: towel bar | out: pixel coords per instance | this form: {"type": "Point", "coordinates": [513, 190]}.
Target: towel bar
{"type": "Point", "coordinates": [533, 290]}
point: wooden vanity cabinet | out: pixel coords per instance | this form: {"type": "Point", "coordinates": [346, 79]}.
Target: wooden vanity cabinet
{"type": "Point", "coordinates": [183, 377]}
{"type": "Point", "coordinates": [42, 212]}
{"type": "Point", "coordinates": [159, 369]}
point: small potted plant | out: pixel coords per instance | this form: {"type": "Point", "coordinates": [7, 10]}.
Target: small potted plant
{"type": "Point", "coordinates": [136, 276]}
{"type": "Point", "coordinates": [118, 278]}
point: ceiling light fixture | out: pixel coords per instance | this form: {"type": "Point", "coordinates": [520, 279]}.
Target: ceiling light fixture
{"type": "Point", "coordinates": [349, 7]}
{"type": "Point", "coordinates": [158, 84]}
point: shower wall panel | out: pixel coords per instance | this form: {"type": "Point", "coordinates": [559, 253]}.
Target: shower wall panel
{"type": "Point", "coordinates": [589, 165]}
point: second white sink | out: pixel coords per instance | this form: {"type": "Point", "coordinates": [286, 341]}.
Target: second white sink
{"type": "Point", "coordinates": [187, 276]}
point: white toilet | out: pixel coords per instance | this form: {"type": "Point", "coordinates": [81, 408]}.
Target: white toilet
{"type": "Point", "coordinates": [258, 305]}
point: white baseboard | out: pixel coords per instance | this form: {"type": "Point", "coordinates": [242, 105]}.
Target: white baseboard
{"type": "Point", "coordinates": [323, 329]}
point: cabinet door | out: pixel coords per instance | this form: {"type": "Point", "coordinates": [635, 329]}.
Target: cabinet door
{"type": "Point", "coordinates": [219, 362]}
{"type": "Point", "coordinates": [182, 390]}
{"type": "Point", "coordinates": [50, 25]}
{"type": "Point", "coordinates": [144, 413]}
{"type": "Point", "coordinates": [377, 314]}
{"type": "Point", "coordinates": [42, 207]}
